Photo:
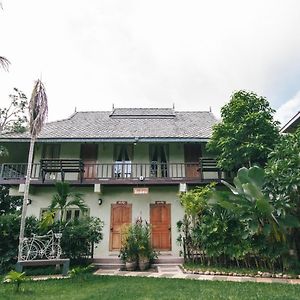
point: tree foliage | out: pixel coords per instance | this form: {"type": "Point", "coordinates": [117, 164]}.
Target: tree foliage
{"type": "Point", "coordinates": [240, 227]}
{"type": "Point", "coordinates": [246, 134]}
{"type": "Point", "coordinates": [63, 199]}
{"type": "Point", "coordinates": [9, 204]}
{"type": "Point", "coordinates": [283, 178]}
{"type": "Point", "coordinates": [14, 117]}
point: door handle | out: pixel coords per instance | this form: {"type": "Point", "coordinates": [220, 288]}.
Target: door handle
{"type": "Point", "coordinates": [169, 228]}
{"type": "Point", "coordinates": [111, 228]}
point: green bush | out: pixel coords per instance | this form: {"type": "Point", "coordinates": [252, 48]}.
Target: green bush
{"type": "Point", "coordinates": [9, 238]}
{"type": "Point", "coordinates": [79, 236]}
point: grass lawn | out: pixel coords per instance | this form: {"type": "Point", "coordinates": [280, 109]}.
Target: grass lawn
{"type": "Point", "coordinates": [111, 287]}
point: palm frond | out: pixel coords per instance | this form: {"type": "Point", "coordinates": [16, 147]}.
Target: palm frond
{"type": "Point", "coordinates": [4, 63]}
{"type": "Point", "coordinates": [48, 218]}
{"type": "Point", "coordinates": [38, 108]}
{"type": "Point", "coordinates": [79, 203]}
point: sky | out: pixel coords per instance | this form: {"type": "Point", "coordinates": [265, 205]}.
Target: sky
{"type": "Point", "coordinates": [137, 53]}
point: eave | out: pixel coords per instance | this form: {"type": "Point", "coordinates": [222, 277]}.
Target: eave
{"type": "Point", "coordinates": [110, 140]}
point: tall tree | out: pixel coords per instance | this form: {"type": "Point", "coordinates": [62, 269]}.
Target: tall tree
{"type": "Point", "coordinates": [246, 134]}
{"type": "Point", "coordinates": [38, 111]}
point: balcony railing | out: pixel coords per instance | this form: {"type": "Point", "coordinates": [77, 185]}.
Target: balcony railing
{"type": "Point", "coordinates": [203, 171]}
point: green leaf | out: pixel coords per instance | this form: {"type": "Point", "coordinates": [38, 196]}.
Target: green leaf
{"type": "Point", "coordinates": [252, 191]}
{"type": "Point", "coordinates": [257, 175]}
{"type": "Point", "coordinates": [264, 206]}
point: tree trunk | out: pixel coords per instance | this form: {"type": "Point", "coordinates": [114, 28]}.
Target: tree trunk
{"type": "Point", "coordinates": [25, 198]}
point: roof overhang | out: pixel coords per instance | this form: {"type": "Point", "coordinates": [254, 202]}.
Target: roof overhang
{"type": "Point", "coordinates": [108, 140]}
{"type": "Point", "coordinates": [292, 124]}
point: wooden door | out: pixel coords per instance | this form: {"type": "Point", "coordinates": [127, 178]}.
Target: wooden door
{"type": "Point", "coordinates": [192, 154]}
{"type": "Point", "coordinates": [89, 158]}
{"type": "Point", "coordinates": [160, 219]}
{"type": "Point", "coordinates": [120, 216]}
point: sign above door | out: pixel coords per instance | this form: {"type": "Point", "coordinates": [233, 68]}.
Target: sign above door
{"type": "Point", "coordinates": [141, 191]}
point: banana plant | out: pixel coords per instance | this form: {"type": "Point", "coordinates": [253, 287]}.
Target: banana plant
{"type": "Point", "coordinates": [248, 201]}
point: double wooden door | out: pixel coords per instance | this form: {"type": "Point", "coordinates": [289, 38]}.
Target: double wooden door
{"type": "Point", "coordinates": [160, 220]}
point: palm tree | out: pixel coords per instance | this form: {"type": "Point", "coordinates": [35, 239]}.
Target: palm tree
{"type": "Point", "coordinates": [38, 111]}
{"type": "Point", "coordinates": [63, 199]}
{"type": "Point", "coordinates": [4, 63]}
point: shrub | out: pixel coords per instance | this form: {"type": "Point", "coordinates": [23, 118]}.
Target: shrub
{"type": "Point", "coordinates": [9, 238]}
{"type": "Point", "coordinates": [16, 278]}
{"type": "Point", "coordinates": [79, 236]}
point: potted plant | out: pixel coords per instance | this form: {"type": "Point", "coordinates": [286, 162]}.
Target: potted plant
{"type": "Point", "coordinates": [129, 247]}
{"type": "Point", "coordinates": [145, 251]}
{"type": "Point", "coordinates": [136, 246]}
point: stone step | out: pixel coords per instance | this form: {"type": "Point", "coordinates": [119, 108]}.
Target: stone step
{"type": "Point", "coordinates": [168, 260]}
{"type": "Point", "coordinates": [116, 263]}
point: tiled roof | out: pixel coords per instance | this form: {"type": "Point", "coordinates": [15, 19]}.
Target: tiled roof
{"type": "Point", "coordinates": [129, 123]}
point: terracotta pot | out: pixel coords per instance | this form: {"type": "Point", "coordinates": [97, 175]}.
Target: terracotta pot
{"type": "Point", "coordinates": [131, 265]}
{"type": "Point", "coordinates": [143, 265]}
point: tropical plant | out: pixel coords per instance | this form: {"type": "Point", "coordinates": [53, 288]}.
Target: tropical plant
{"type": "Point", "coordinates": [251, 205]}
{"type": "Point", "coordinates": [283, 180]}
{"type": "Point", "coordinates": [63, 199]}
{"type": "Point", "coordinates": [16, 278]}
{"type": "Point", "coordinates": [246, 134]}
{"type": "Point", "coordinates": [195, 201]}
{"type": "Point", "coordinates": [38, 111]}
{"type": "Point", "coordinates": [129, 244]}
{"type": "Point", "coordinates": [143, 236]}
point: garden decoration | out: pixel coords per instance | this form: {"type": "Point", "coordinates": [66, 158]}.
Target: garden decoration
{"type": "Point", "coordinates": [41, 246]}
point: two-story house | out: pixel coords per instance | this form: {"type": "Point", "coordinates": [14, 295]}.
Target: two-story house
{"type": "Point", "coordinates": [127, 163]}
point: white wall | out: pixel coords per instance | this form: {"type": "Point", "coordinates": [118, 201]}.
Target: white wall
{"type": "Point", "coordinates": [41, 198]}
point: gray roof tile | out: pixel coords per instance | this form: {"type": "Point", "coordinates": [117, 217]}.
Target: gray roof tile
{"type": "Point", "coordinates": [129, 123]}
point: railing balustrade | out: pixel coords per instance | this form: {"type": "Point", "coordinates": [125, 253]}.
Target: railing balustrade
{"type": "Point", "coordinates": [206, 169]}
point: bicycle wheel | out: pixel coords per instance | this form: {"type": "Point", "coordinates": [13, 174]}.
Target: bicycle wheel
{"type": "Point", "coordinates": [29, 250]}
{"type": "Point", "coordinates": [53, 251]}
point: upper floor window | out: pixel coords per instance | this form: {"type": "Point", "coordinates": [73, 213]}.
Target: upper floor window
{"type": "Point", "coordinates": [123, 155]}
{"type": "Point", "coordinates": [159, 158]}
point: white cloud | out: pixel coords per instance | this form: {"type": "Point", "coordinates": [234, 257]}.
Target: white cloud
{"type": "Point", "coordinates": [149, 53]}
{"type": "Point", "coordinates": [288, 109]}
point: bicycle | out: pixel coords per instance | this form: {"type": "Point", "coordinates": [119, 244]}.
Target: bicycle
{"type": "Point", "coordinates": [36, 247]}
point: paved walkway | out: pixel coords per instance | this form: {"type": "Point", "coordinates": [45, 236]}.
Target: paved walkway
{"type": "Point", "coordinates": [176, 272]}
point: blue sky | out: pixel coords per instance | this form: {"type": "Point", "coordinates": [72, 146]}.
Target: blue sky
{"type": "Point", "coordinates": [138, 53]}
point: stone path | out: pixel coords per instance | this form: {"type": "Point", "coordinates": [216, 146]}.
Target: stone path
{"type": "Point", "coordinates": [176, 272]}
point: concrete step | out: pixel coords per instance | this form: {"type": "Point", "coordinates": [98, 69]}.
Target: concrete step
{"type": "Point", "coordinates": [116, 263]}
{"type": "Point", "coordinates": [168, 260]}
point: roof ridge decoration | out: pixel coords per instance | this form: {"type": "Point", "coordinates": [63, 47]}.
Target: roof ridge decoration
{"type": "Point", "coordinates": [141, 113]}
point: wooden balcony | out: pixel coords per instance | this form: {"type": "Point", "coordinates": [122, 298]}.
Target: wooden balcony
{"type": "Point", "coordinates": [112, 173]}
